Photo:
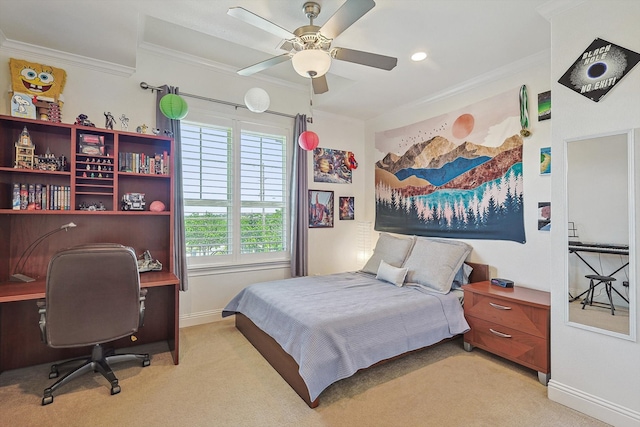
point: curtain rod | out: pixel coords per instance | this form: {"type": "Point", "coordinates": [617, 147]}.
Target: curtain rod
{"type": "Point", "coordinates": [146, 86]}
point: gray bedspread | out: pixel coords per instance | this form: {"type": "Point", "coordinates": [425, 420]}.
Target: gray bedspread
{"type": "Point", "coordinates": [336, 324]}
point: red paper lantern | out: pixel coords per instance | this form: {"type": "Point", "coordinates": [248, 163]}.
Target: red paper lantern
{"type": "Point", "coordinates": [308, 140]}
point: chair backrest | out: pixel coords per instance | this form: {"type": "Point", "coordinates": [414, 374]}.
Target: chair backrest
{"type": "Point", "coordinates": [92, 295]}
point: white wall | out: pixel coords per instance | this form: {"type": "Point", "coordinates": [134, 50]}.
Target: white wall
{"type": "Point", "coordinates": [527, 264]}
{"type": "Point", "coordinates": [591, 372]}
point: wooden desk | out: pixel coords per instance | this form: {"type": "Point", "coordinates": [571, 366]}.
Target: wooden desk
{"type": "Point", "coordinates": [20, 343]}
{"type": "Point", "coordinates": [100, 180]}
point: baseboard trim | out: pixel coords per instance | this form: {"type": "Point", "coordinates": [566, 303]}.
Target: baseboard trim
{"type": "Point", "coordinates": [200, 318]}
{"type": "Point", "coordinates": [593, 406]}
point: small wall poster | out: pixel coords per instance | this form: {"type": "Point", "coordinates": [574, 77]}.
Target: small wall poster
{"type": "Point", "coordinates": [330, 166]}
{"type": "Point", "coordinates": [600, 67]}
{"type": "Point", "coordinates": [544, 216]}
{"type": "Point", "coordinates": [545, 161]}
{"type": "Point", "coordinates": [544, 106]}
{"type": "Point", "coordinates": [347, 210]}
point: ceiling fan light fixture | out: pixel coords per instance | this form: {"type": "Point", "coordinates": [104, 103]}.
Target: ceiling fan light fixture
{"type": "Point", "coordinates": [311, 63]}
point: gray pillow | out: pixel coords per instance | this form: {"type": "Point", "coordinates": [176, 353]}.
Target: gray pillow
{"type": "Point", "coordinates": [462, 276]}
{"type": "Point", "coordinates": [433, 263]}
{"type": "Point", "coordinates": [392, 249]}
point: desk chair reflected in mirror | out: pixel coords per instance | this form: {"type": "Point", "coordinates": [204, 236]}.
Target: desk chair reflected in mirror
{"type": "Point", "coordinates": [93, 297]}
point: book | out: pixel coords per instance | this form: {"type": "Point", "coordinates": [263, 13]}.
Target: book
{"type": "Point", "coordinates": [16, 197]}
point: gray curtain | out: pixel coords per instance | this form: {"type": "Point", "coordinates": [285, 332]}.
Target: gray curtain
{"type": "Point", "coordinates": [167, 126]}
{"type": "Point", "coordinates": [299, 203]}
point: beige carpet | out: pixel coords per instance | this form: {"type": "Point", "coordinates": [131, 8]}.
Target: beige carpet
{"type": "Point", "coordinates": [223, 381]}
{"type": "Point", "coordinates": [600, 317]}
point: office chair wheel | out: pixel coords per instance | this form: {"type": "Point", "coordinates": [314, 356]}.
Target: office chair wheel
{"type": "Point", "coordinates": [115, 388]}
{"type": "Point", "coordinates": [146, 361]}
{"type": "Point", "coordinates": [48, 397]}
{"type": "Point", "coordinates": [54, 372]}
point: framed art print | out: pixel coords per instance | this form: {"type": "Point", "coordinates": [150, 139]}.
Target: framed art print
{"type": "Point", "coordinates": [598, 69]}
{"type": "Point", "coordinates": [320, 209]}
{"type": "Point", "coordinates": [346, 208]}
{"type": "Point", "coordinates": [544, 106]}
{"type": "Point", "coordinates": [329, 165]}
{"type": "Point", "coordinates": [545, 161]}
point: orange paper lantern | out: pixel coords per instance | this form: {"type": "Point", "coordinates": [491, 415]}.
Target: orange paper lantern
{"type": "Point", "coordinates": [308, 140]}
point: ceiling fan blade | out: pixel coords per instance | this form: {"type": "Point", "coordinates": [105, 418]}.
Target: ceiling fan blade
{"type": "Point", "coordinates": [365, 58]}
{"type": "Point", "coordinates": [261, 66]}
{"type": "Point", "coordinates": [320, 84]}
{"type": "Point", "coordinates": [259, 22]}
{"type": "Point", "coordinates": [349, 12]}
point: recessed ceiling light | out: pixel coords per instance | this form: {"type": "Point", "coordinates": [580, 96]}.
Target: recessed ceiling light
{"type": "Point", "coordinates": [419, 56]}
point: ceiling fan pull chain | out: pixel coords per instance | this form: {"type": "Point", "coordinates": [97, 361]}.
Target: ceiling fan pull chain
{"type": "Point", "coordinates": [310, 100]}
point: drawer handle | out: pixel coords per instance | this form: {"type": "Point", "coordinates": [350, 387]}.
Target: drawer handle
{"type": "Point", "coordinates": [499, 307]}
{"type": "Point", "coordinates": [500, 334]}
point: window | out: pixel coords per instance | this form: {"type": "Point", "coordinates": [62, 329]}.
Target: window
{"type": "Point", "coordinates": [235, 192]}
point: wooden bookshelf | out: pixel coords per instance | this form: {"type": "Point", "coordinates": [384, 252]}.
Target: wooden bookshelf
{"type": "Point", "coordinates": [140, 229]}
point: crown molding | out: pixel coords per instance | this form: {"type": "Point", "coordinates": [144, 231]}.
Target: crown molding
{"type": "Point", "coordinates": [15, 48]}
{"type": "Point", "coordinates": [483, 79]}
{"type": "Point", "coordinates": [555, 7]}
{"type": "Point", "coordinates": [213, 65]}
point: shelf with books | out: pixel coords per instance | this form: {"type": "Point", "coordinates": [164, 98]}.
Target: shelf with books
{"type": "Point", "coordinates": [87, 178]}
{"type": "Point", "coordinates": [58, 166]}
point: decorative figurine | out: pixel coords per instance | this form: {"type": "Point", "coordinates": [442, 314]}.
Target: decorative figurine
{"type": "Point", "coordinates": [155, 131]}
{"type": "Point", "coordinates": [124, 120]}
{"type": "Point", "coordinates": [109, 120]}
{"type": "Point", "coordinates": [156, 206]}
{"type": "Point", "coordinates": [142, 128]}
{"type": "Point", "coordinates": [25, 151]}
{"type": "Point", "coordinates": [83, 120]}
{"type": "Point", "coordinates": [147, 263]}
{"type": "Point", "coordinates": [133, 202]}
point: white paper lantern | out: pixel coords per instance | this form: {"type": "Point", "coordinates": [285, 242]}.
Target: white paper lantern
{"type": "Point", "coordinates": [257, 100]}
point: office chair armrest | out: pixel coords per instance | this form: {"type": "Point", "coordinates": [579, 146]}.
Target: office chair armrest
{"type": "Point", "coordinates": [42, 310]}
{"type": "Point", "coordinates": [143, 297]}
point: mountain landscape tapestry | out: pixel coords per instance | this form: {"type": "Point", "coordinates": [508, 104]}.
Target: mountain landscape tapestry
{"type": "Point", "coordinates": [458, 175]}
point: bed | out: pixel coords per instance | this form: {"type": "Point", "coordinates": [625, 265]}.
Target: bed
{"type": "Point", "coordinates": [316, 330]}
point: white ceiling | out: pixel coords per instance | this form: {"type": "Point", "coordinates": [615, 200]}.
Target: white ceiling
{"type": "Point", "coordinates": [465, 40]}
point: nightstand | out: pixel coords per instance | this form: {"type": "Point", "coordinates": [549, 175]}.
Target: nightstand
{"type": "Point", "coordinates": [511, 322]}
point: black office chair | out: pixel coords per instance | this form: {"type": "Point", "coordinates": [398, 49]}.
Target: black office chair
{"type": "Point", "coordinates": [93, 296]}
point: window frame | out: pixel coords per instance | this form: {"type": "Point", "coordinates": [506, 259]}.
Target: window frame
{"type": "Point", "coordinates": [239, 123]}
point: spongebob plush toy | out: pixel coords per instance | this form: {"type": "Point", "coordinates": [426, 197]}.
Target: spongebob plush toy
{"type": "Point", "coordinates": [36, 88]}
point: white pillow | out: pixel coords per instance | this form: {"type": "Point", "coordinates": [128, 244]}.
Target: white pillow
{"type": "Point", "coordinates": [391, 274]}
{"type": "Point", "coordinates": [393, 250]}
{"type": "Point", "coordinates": [434, 262]}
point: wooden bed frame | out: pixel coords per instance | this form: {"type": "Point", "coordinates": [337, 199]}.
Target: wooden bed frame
{"type": "Point", "coordinates": [287, 367]}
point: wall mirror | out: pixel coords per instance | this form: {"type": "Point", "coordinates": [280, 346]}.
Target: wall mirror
{"type": "Point", "coordinates": [601, 233]}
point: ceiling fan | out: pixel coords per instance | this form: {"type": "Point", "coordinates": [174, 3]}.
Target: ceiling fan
{"type": "Point", "coordinates": [309, 47]}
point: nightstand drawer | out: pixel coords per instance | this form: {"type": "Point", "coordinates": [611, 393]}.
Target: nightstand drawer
{"type": "Point", "coordinates": [526, 349]}
{"type": "Point", "coordinates": [515, 315]}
